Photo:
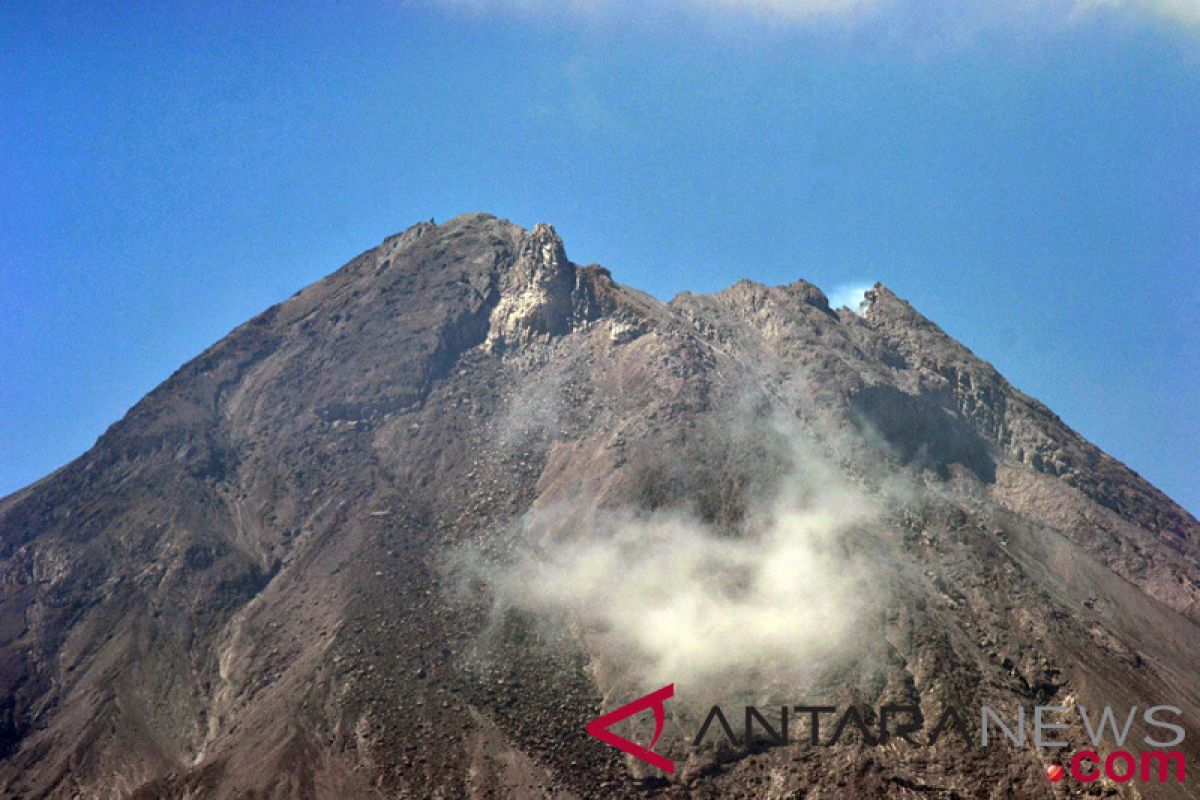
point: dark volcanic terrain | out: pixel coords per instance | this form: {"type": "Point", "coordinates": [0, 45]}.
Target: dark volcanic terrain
{"type": "Point", "coordinates": [289, 571]}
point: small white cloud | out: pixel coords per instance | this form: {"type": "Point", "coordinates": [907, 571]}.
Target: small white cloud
{"type": "Point", "coordinates": [849, 295]}
{"type": "Point", "coordinates": [1185, 11]}
{"type": "Point", "coordinates": [1027, 13]}
{"type": "Point", "coordinates": [798, 9]}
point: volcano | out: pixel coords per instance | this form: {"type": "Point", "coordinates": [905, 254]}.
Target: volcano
{"type": "Point", "coordinates": [408, 532]}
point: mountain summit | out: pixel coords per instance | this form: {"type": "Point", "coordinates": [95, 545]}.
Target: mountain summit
{"type": "Point", "coordinates": [406, 533]}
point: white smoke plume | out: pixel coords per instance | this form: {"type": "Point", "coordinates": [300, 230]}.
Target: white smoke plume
{"type": "Point", "coordinates": [664, 597]}
{"type": "Point", "coordinates": [850, 295]}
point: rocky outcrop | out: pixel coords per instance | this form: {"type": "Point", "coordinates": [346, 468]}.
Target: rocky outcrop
{"type": "Point", "coordinates": [535, 294]}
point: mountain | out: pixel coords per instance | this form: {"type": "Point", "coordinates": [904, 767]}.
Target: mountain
{"type": "Point", "coordinates": [406, 533]}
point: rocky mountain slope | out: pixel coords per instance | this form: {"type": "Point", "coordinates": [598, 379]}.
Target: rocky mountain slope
{"type": "Point", "coordinates": [325, 558]}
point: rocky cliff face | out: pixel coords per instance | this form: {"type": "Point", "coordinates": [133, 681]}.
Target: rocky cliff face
{"type": "Point", "coordinates": [252, 586]}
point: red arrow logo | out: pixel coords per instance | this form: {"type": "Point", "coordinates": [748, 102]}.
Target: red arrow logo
{"type": "Point", "coordinates": [599, 727]}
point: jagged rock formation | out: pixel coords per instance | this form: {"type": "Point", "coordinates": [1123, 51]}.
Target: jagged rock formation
{"type": "Point", "coordinates": [239, 591]}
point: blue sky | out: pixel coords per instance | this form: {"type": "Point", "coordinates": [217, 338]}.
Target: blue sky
{"type": "Point", "coordinates": [1027, 176]}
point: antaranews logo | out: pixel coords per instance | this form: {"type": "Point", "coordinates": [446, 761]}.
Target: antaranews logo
{"type": "Point", "coordinates": [599, 727]}
{"type": "Point", "coordinates": [1163, 762]}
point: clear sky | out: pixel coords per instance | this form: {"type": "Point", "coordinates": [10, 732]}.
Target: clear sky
{"type": "Point", "coordinates": [1027, 176]}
